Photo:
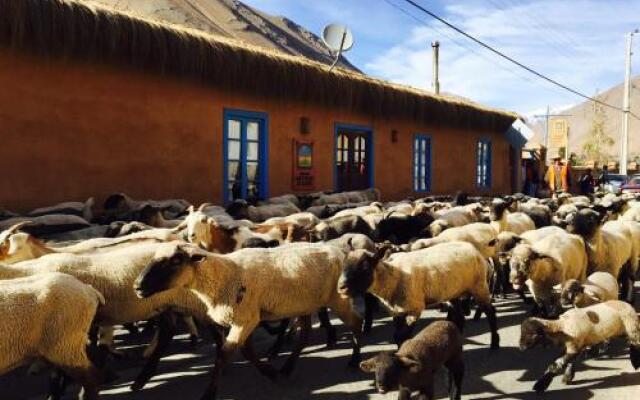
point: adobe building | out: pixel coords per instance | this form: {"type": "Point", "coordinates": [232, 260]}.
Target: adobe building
{"type": "Point", "coordinates": [94, 101]}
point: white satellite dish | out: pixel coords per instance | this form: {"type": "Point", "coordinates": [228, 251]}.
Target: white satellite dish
{"type": "Point", "coordinates": [338, 39]}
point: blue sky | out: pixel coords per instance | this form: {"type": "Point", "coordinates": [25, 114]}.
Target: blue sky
{"type": "Point", "coordinates": [580, 43]}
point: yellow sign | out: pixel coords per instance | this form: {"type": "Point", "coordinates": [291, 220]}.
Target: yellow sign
{"type": "Point", "coordinates": [558, 133]}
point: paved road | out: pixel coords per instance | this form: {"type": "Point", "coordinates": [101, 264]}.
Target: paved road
{"type": "Point", "coordinates": [322, 374]}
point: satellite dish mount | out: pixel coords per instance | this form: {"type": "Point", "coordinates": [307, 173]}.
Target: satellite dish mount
{"type": "Point", "coordinates": [338, 39]}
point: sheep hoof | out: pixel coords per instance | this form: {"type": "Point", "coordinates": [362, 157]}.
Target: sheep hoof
{"type": "Point", "coordinates": [568, 376]}
{"type": "Point", "coordinates": [543, 383]}
{"type": "Point", "coordinates": [495, 341]}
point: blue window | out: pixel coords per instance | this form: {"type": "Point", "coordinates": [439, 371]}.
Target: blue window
{"type": "Point", "coordinates": [421, 163]}
{"type": "Point", "coordinates": [483, 162]}
{"type": "Point", "coordinates": [245, 155]}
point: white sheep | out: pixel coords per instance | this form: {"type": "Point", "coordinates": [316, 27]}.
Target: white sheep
{"type": "Point", "coordinates": [48, 316]}
{"type": "Point", "coordinates": [409, 282]}
{"type": "Point", "coordinates": [252, 285]}
{"type": "Point", "coordinates": [453, 217]}
{"type": "Point", "coordinates": [481, 235]}
{"type": "Point", "coordinates": [113, 273]}
{"type": "Point", "coordinates": [503, 220]}
{"type": "Point", "coordinates": [599, 287]}
{"type": "Point", "coordinates": [548, 262]}
{"type": "Point", "coordinates": [578, 329]}
{"type": "Point", "coordinates": [16, 246]}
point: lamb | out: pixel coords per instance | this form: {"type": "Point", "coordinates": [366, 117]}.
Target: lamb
{"type": "Point", "coordinates": [457, 216]}
{"type": "Point", "coordinates": [599, 287]}
{"type": "Point", "coordinates": [305, 220]}
{"type": "Point", "coordinates": [240, 209]}
{"type": "Point", "coordinates": [578, 329]}
{"type": "Point", "coordinates": [48, 316]}
{"type": "Point", "coordinates": [242, 288]}
{"type": "Point", "coordinates": [548, 262]}
{"type": "Point", "coordinates": [504, 220]}
{"type": "Point", "coordinates": [409, 282]}
{"type": "Point", "coordinates": [413, 366]}
{"type": "Point", "coordinates": [113, 273]}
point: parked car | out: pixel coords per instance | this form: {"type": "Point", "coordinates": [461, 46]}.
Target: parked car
{"type": "Point", "coordinates": [614, 183]}
{"type": "Point", "coordinates": [632, 185]}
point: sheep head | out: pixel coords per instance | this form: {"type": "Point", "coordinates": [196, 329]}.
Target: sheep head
{"type": "Point", "coordinates": [239, 209]}
{"type": "Point", "coordinates": [14, 243]}
{"type": "Point", "coordinates": [571, 290]}
{"type": "Point", "coordinates": [524, 262]}
{"type": "Point", "coordinates": [171, 267]}
{"type": "Point", "coordinates": [389, 369]}
{"type": "Point", "coordinates": [497, 209]}
{"type": "Point", "coordinates": [586, 223]}
{"type": "Point", "coordinates": [358, 272]}
{"type": "Point", "coordinates": [532, 333]}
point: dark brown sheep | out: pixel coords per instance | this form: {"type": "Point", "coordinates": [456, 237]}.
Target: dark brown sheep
{"type": "Point", "coordinates": [412, 367]}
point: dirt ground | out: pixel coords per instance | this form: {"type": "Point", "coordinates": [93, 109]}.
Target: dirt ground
{"type": "Point", "coordinates": [322, 374]}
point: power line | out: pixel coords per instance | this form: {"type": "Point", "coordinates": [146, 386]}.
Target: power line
{"type": "Point", "coordinates": [464, 46]}
{"type": "Point", "coordinates": [510, 59]}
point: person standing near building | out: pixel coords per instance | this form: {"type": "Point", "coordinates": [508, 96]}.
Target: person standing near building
{"type": "Point", "coordinates": [558, 177]}
{"type": "Point", "coordinates": [603, 178]}
{"type": "Point", "coordinates": [586, 182]}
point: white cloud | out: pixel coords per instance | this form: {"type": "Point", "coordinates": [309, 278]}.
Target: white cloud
{"type": "Point", "coordinates": [580, 43]}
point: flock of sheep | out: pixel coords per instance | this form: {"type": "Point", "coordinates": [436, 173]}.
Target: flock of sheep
{"type": "Point", "coordinates": [69, 276]}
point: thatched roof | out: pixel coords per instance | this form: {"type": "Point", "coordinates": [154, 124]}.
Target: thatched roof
{"type": "Point", "coordinates": [71, 29]}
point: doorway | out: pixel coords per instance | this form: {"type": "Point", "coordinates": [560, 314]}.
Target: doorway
{"type": "Point", "coordinates": [354, 158]}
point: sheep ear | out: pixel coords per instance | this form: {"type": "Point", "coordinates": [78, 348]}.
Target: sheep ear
{"type": "Point", "coordinates": [369, 365]}
{"type": "Point", "coordinates": [409, 362]}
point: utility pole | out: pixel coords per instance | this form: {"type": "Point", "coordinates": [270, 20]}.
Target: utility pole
{"type": "Point", "coordinates": [624, 145]}
{"type": "Point", "coordinates": [435, 80]}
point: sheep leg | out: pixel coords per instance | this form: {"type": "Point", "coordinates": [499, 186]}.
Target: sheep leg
{"type": "Point", "coordinates": [556, 368]}
{"type": "Point", "coordinates": [57, 384]}
{"type": "Point", "coordinates": [303, 340]}
{"type": "Point", "coordinates": [165, 329]}
{"type": "Point", "coordinates": [235, 338]}
{"type": "Point", "coordinates": [455, 314]}
{"type": "Point", "coordinates": [404, 393]}
{"type": "Point", "coordinates": [346, 313]}
{"type": "Point", "coordinates": [426, 392]}
{"type": "Point", "coordinates": [402, 330]}
{"type": "Point", "coordinates": [325, 322]}
{"type": "Point", "coordinates": [490, 310]}
{"type": "Point", "coordinates": [89, 379]}
{"type": "Point", "coordinates": [264, 368]}
{"type": "Point", "coordinates": [194, 335]}
{"type": "Point", "coordinates": [456, 374]}
{"type": "Point", "coordinates": [370, 307]}
{"type": "Point", "coordinates": [274, 350]}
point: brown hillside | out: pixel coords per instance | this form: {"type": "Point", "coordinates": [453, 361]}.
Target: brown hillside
{"type": "Point", "coordinates": [582, 115]}
{"type": "Point", "coordinates": [232, 19]}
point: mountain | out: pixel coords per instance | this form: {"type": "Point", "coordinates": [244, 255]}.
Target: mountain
{"type": "Point", "coordinates": [582, 116]}
{"type": "Point", "coordinates": [233, 19]}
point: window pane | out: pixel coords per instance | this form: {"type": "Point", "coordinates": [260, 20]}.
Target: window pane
{"type": "Point", "coordinates": [252, 171]}
{"type": "Point", "coordinates": [234, 129]}
{"type": "Point", "coordinates": [233, 170]}
{"type": "Point", "coordinates": [252, 130]}
{"type": "Point", "coordinates": [252, 151]}
{"type": "Point", "coordinates": [233, 151]}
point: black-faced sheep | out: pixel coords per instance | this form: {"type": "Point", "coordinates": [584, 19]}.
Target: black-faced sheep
{"type": "Point", "coordinates": [401, 229]}
{"type": "Point", "coordinates": [407, 283]}
{"type": "Point", "coordinates": [48, 316]}
{"type": "Point", "coordinates": [413, 366]}
{"type": "Point", "coordinates": [578, 329]}
{"type": "Point", "coordinates": [251, 285]}
{"type": "Point", "coordinates": [548, 262]}
{"type": "Point", "coordinates": [599, 287]}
